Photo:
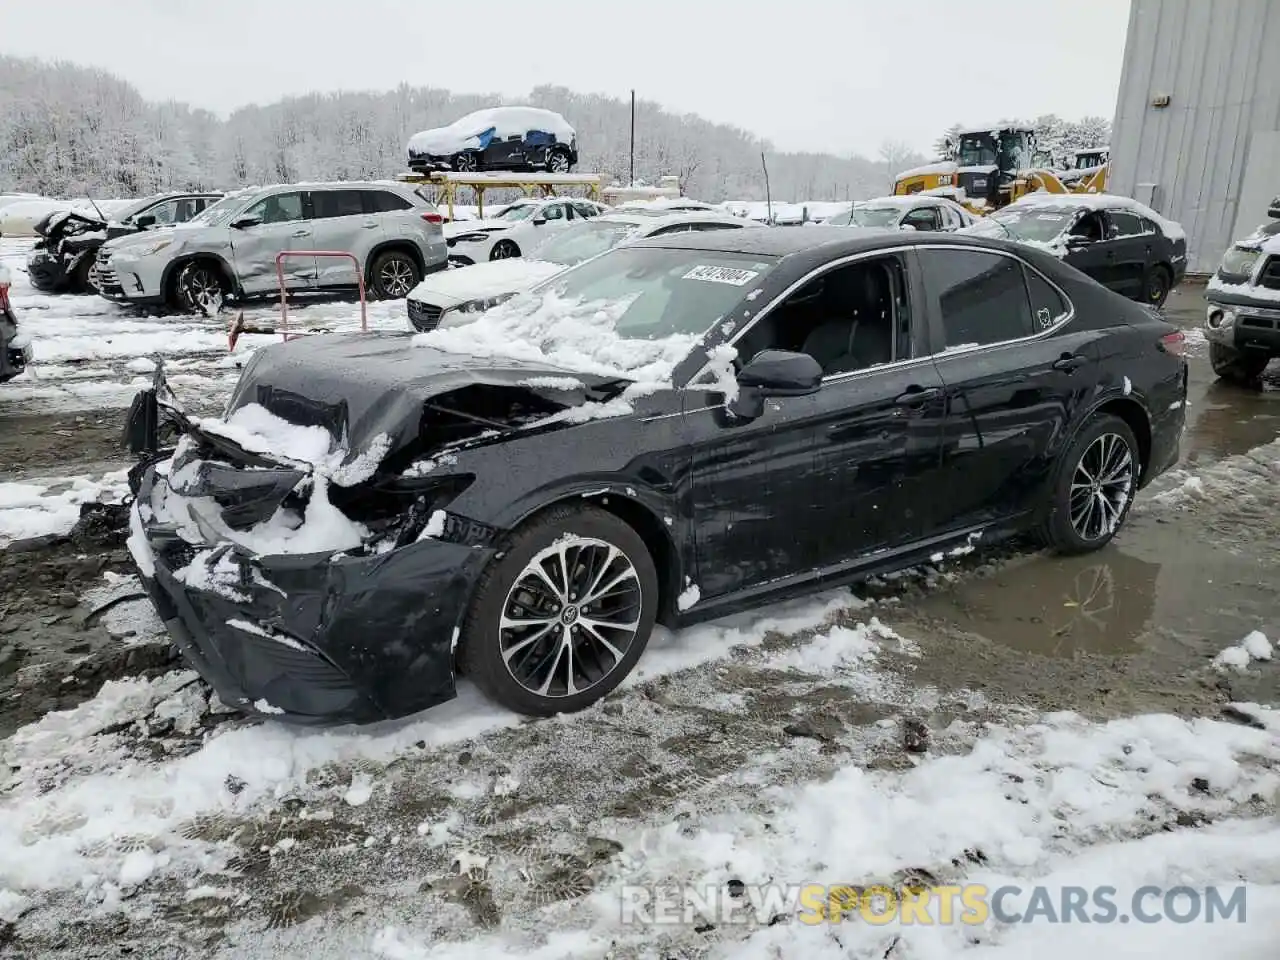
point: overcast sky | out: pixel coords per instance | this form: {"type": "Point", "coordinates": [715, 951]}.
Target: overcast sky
{"type": "Point", "coordinates": [834, 75]}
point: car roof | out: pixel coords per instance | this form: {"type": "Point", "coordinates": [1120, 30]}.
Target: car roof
{"type": "Point", "coordinates": [656, 222]}
{"type": "Point", "coordinates": [819, 242]}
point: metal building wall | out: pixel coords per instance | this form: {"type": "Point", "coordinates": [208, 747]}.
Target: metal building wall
{"type": "Point", "coordinates": [1218, 61]}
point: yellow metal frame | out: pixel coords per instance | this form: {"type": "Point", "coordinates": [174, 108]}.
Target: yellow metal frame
{"type": "Point", "coordinates": [446, 184]}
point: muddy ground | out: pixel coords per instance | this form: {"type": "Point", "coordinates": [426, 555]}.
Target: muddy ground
{"type": "Point", "coordinates": [1130, 629]}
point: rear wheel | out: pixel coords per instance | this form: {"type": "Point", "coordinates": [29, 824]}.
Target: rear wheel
{"type": "Point", "coordinates": [1231, 364]}
{"type": "Point", "coordinates": [558, 160]}
{"type": "Point", "coordinates": [200, 288]}
{"type": "Point", "coordinates": [504, 250]}
{"type": "Point", "coordinates": [1093, 489]}
{"type": "Point", "coordinates": [1159, 283]}
{"type": "Point", "coordinates": [563, 614]}
{"type": "Point", "coordinates": [466, 163]}
{"type": "Point", "coordinates": [394, 274]}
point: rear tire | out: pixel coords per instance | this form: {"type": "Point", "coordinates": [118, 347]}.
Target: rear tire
{"type": "Point", "coordinates": [504, 250]}
{"type": "Point", "coordinates": [1093, 487]}
{"type": "Point", "coordinates": [393, 274]}
{"type": "Point", "coordinates": [1237, 367]}
{"type": "Point", "coordinates": [465, 163]}
{"type": "Point", "coordinates": [568, 632]}
{"type": "Point", "coordinates": [558, 160]}
{"type": "Point", "coordinates": [1159, 285]}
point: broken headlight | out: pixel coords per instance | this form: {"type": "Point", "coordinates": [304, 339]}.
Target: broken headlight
{"type": "Point", "coordinates": [472, 307]}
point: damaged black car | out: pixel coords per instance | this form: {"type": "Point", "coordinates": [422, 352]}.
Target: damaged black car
{"type": "Point", "coordinates": [62, 259]}
{"type": "Point", "coordinates": [676, 430]}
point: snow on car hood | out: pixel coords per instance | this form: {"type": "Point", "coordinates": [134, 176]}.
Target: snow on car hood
{"type": "Point", "coordinates": [492, 278]}
{"type": "Point", "coordinates": [366, 390]}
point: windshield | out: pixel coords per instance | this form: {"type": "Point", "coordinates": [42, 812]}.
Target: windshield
{"type": "Point", "coordinates": [976, 152]}
{"type": "Point", "coordinates": [215, 215]}
{"type": "Point", "coordinates": [1038, 224]}
{"type": "Point", "coordinates": [519, 211]}
{"type": "Point", "coordinates": [842, 219]}
{"type": "Point", "coordinates": [874, 216]}
{"type": "Point", "coordinates": [634, 312]}
{"type": "Point", "coordinates": [583, 241]}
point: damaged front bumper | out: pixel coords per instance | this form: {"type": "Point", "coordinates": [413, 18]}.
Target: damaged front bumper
{"type": "Point", "coordinates": [350, 635]}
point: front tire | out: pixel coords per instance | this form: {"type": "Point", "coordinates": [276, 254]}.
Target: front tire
{"type": "Point", "coordinates": [562, 615]}
{"type": "Point", "coordinates": [80, 276]}
{"type": "Point", "coordinates": [393, 274]}
{"type": "Point", "coordinates": [466, 163]}
{"type": "Point", "coordinates": [1093, 489]}
{"type": "Point", "coordinates": [504, 250]}
{"type": "Point", "coordinates": [1237, 367]}
{"type": "Point", "coordinates": [200, 288]}
{"type": "Point", "coordinates": [558, 160]}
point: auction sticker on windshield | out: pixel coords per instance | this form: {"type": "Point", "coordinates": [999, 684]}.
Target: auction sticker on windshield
{"type": "Point", "coordinates": [731, 275]}
{"type": "Point", "coordinates": [1050, 216]}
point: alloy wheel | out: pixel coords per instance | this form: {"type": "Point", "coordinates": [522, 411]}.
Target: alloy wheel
{"type": "Point", "coordinates": [557, 162]}
{"type": "Point", "coordinates": [570, 617]}
{"type": "Point", "coordinates": [1101, 487]}
{"type": "Point", "coordinates": [396, 276]}
{"type": "Point", "coordinates": [504, 250]}
{"type": "Point", "coordinates": [466, 163]}
{"type": "Point", "coordinates": [1156, 289]}
{"type": "Point", "coordinates": [205, 291]}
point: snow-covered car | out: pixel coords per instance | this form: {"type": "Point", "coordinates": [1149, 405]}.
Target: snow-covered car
{"type": "Point", "coordinates": [1123, 244]}
{"type": "Point", "coordinates": [499, 138]}
{"type": "Point", "coordinates": [919, 212]}
{"type": "Point", "coordinates": [15, 346]}
{"type": "Point", "coordinates": [454, 297]}
{"type": "Point", "coordinates": [62, 260]}
{"type": "Point", "coordinates": [1242, 321]}
{"type": "Point", "coordinates": [230, 249]}
{"type": "Point", "coordinates": [518, 227]}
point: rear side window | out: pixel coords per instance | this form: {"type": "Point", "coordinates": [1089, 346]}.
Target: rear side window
{"type": "Point", "coordinates": [1047, 305]}
{"type": "Point", "coordinates": [982, 296]}
{"type": "Point", "coordinates": [383, 201]}
{"type": "Point", "coordinates": [336, 203]}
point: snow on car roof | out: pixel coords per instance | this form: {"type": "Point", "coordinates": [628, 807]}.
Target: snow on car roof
{"type": "Point", "coordinates": [1098, 201]}
{"type": "Point", "coordinates": [505, 121]}
{"type": "Point", "coordinates": [904, 200]}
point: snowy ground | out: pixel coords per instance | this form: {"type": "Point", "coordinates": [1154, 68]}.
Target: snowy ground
{"type": "Point", "coordinates": [1012, 719]}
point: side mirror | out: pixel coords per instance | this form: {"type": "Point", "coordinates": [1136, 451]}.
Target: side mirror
{"type": "Point", "coordinates": [538, 221]}
{"type": "Point", "coordinates": [774, 373]}
{"type": "Point", "coordinates": [1077, 240]}
{"type": "Point", "coordinates": [241, 222]}
{"type": "Point", "coordinates": [909, 227]}
{"type": "Point", "coordinates": [1274, 209]}
{"type": "Point", "coordinates": [145, 221]}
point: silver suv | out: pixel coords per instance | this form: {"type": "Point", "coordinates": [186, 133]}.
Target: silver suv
{"type": "Point", "coordinates": [230, 249]}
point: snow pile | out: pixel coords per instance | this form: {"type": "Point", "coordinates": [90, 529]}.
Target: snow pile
{"type": "Point", "coordinates": [689, 596]}
{"type": "Point", "coordinates": [256, 429]}
{"type": "Point", "coordinates": [1255, 646]}
{"type": "Point", "coordinates": [467, 133]}
{"type": "Point", "coordinates": [46, 506]}
{"type": "Point", "coordinates": [567, 333]}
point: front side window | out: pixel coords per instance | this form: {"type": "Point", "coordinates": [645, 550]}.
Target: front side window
{"type": "Point", "coordinates": [277, 208]}
{"type": "Point", "coordinates": [553, 211]}
{"type": "Point", "coordinates": [164, 213]}
{"type": "Point", "coordinates": [922, 218]}
{"type": "Point", "coordinates": [982, 297]}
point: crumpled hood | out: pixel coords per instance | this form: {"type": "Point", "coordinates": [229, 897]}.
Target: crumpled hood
{"type": "Point", "coordinates": [362, 386]}
{"type": "Point", "coordinates": [493, 278]}
{"type": "Point", "coordinates": [458, 228]}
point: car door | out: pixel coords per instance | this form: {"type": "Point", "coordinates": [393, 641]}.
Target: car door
{"type": "Point", "coordinates": [816, 482]}
{"type": "Point", "coordinates": [340, 223]}
{"type": "Point", "coordinates": [1132, 247]}
{"type": "Point", "coordinates": [505, 152]}
{"type": "Point", "coordinates": [282, 223]}
{"type": "Point", "coordinates": [1014, 372]}
{"type": "Point", "coordinates": [1090, 251]}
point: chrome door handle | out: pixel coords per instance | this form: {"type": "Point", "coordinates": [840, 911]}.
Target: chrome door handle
{"type": "Point", "coordinates": [301, 233]}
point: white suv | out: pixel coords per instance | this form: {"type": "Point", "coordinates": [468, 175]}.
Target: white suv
{"type": "Point", "coordinates": [231, 249]}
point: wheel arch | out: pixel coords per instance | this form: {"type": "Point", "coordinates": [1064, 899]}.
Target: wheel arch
{"type": "Point", "coordinates": [1135, 416]}
{"type": "Point", "coordinates": [642, 517]}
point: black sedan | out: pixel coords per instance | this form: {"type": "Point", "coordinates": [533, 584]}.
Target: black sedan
{"type": "Point", "coordinates": [1122, 244]}
{"type": "Point", "coordinates": [676, 430]}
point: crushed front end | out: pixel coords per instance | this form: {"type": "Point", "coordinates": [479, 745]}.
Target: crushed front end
{"type": "Point", "coordinates": [309, 595]}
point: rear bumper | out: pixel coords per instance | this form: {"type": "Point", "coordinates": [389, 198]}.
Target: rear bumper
{"type": "Point", "coordinates": [309, 638]}
{"type": "Point", "coordinates": [15, 351]}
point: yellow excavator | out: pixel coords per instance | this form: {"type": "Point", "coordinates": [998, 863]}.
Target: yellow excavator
{"type": "Point", "coordinates": [987, 168]}
{"type": "Point", "coordinates": [1088, 173]}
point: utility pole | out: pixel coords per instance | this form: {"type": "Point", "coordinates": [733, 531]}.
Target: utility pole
{"type": "Point", "coordinates": [768, 197]}
{"type": "Point", "coordinates": [633, 139]}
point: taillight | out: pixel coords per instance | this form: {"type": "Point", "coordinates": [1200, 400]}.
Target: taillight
{"type": "Point", "coordinates": [4, 296]}
{"type": "Point", "coordinates": [1174, 343]}
{"type": "Point", "coordinates": [433, 218]}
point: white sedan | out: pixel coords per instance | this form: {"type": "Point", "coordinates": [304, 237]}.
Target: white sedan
{"type": "Point", "coordinates": [918, 211]}
{"type": "Point", "coordinates": [517, 228]}
{"type": "Point", "coordinates": [452, 297]}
